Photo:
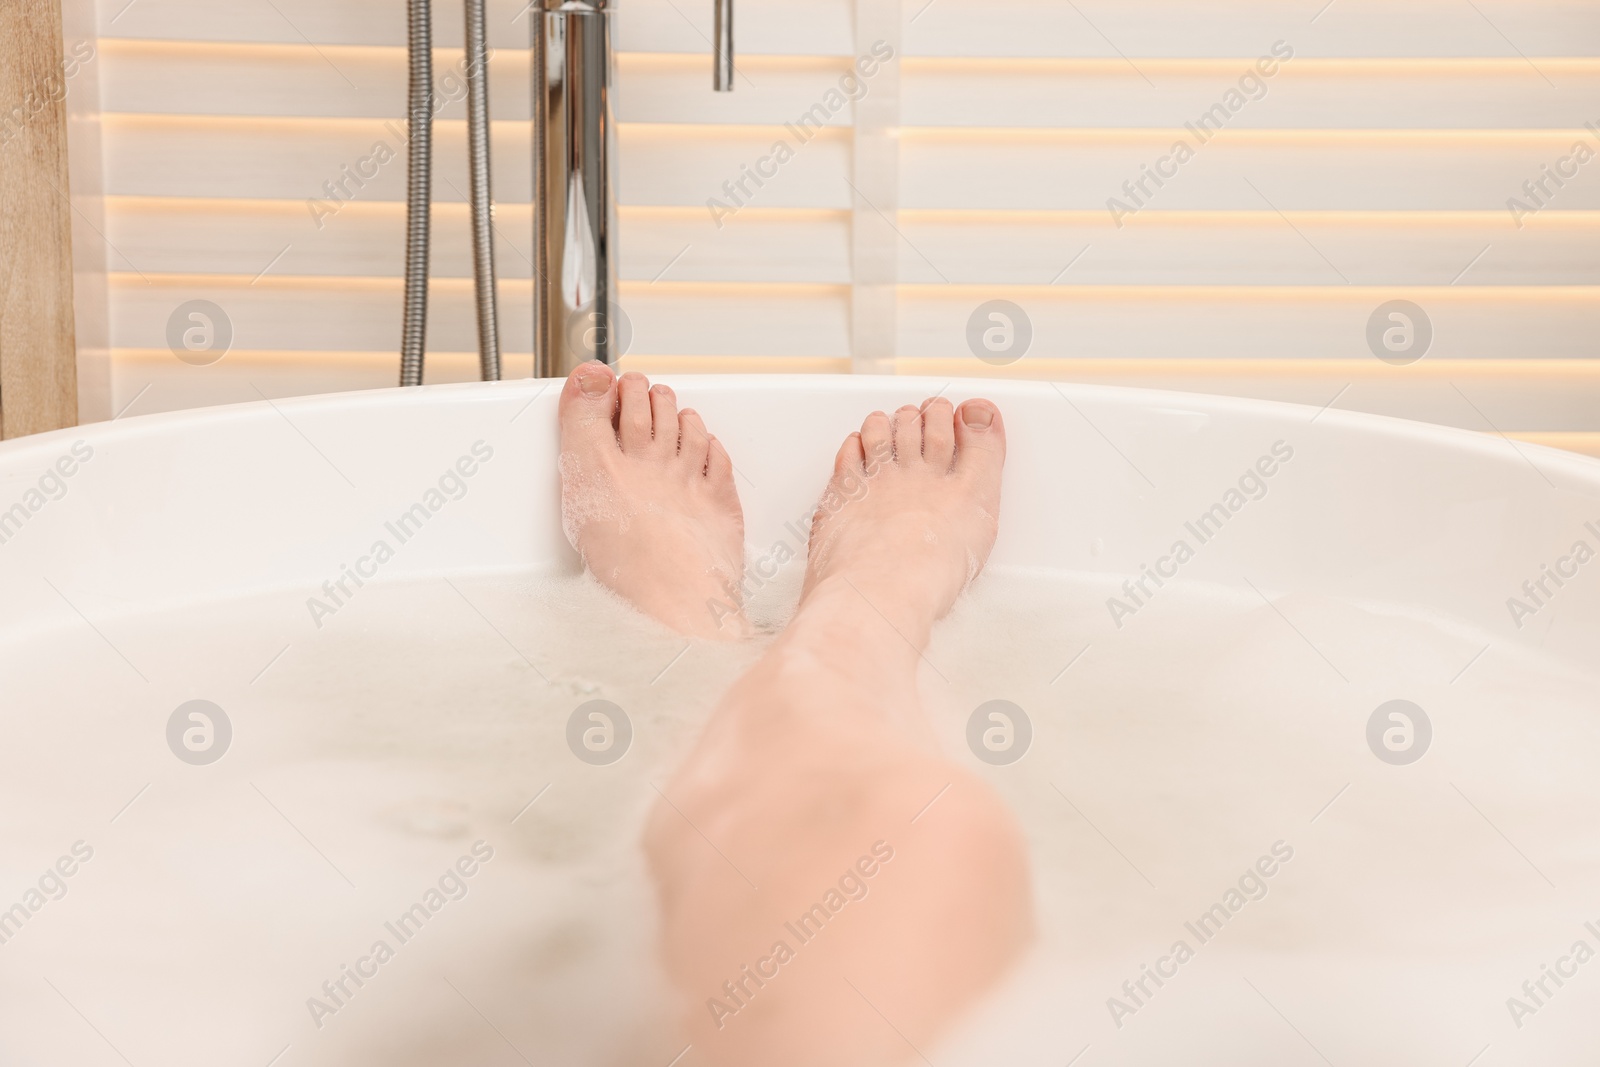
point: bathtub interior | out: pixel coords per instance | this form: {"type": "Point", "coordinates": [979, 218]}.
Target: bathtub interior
{"type": "Point", "coordinates": [1177, 738]}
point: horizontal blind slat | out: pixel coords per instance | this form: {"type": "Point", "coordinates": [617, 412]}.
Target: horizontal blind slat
{"type": "Point", "coordinates": [363, 314]}
{"type": "Point", "coordinates": [1181, 28]}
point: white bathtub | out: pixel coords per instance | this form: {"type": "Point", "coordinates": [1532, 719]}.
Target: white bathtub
{"type": "Point", "coordinates": [184, 558]}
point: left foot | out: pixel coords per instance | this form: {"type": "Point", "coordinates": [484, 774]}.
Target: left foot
{"type": "Point", "coordinates": [648, 500]}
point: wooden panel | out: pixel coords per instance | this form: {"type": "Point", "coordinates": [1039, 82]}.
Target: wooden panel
{"type": "Point", "coordinates": [38, 359]}
{"type": "Point", "coordinates": [1359, 28]}
{"type": "Point", "coordinates": [89, 250]}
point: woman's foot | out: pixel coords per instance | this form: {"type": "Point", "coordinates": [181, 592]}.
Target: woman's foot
{"type": "Point", "coordinates": [648, 500]}
{"type": "Point", "coordinates": [912, 509]}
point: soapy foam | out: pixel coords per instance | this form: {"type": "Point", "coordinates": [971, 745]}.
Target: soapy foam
{"type": "Point", "coordinates": [587, 498]}
{"type": "Point", "coordinates": [1166, 758]}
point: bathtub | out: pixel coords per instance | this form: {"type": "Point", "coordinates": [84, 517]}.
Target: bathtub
{"type": "Point", "coordinates": [200, 890]}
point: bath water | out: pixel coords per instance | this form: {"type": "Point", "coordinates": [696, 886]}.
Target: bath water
{"type": "Point", "coordinates": [415, 750]}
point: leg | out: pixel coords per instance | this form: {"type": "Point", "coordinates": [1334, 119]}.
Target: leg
{"type": "Point", "coordinates": [786, 949]}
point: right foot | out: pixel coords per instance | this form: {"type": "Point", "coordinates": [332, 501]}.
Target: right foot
{"type": "Point", "coordinates": [912, 510]}
{"type": "Point", "coordinates": [648, 500]}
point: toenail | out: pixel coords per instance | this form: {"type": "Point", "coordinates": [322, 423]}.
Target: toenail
{"type": "Point", "coordinates": [977, 416]}
{"type": "Point", "coordinates": [633, 376]}
{"type": "Point", "coordinates": [594, 383]}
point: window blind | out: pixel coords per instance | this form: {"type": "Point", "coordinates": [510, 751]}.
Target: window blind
{"type": "Point", "coordinates": [1339, 161]}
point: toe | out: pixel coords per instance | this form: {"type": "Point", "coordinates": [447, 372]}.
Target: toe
{"type": "Point", "coordinates": [877, 441]}
{"type": "Point", "coordinates": [847, 483]}
{"type": "Point", "coordinates": [664, 419]}
{"type": "Point", "coordinates": [938, 433]}
{"type": "Point", "coordinates": [634, 421]}
{"type": "Point", "coordinates": [908, 437]}
{"type": "Point", "coordinates": [719, 481]}
{"type": "Point", "coordinates": [693, 442]}
{"type": "Point", "coordinates": [850, 459]}
{"type": "Point", "coordinates": [980, 440]}
{"type": "Point", "coordinates": [719, 468]}
{"type": "Point", "coordinates": [588, 405]}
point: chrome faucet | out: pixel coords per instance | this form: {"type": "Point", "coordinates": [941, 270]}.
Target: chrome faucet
{"type": "Point", "coordinates": [576, 316]}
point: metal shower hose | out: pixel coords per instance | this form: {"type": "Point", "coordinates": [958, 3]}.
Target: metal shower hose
{"type": "Point", "coordinates": [420, 108]}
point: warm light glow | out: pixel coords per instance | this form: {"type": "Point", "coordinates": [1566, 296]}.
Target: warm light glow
{"type": "Point", "coordinates": [1236, 217]}
{"type": "Point", "coordinates": [1363, 294]}
{"type": "Point", "coordinates": [1280, 137]}
{"type": "Point", "coordinates": [372, 283]}
{"type": "Point", "coordinates": [1025, 66]}
{"type": "Point", "coordinates": [677, 131]}
{"type": "Point", "coordinates": [396, 208]}
{"type": "Point", "coordinates": [290, 124]}
{"type": "Point", "coordinates": [1233, 218]}
{"type": "Point", "coordinates": [1572, 371]}
{"type": "Point", "coordinates": [280, 52]}
{"type": "Point", "coordinates": [1583, 442]}
{"type": "Point", "coordinates": [1231, 67]}
{"type": "Point", "coordinates": [316, 358]}
{"type": "Point", "coordinates": [736, 364]}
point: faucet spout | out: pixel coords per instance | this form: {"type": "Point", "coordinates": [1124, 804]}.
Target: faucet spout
{"type": "Point", "coordinates": [577, 316]}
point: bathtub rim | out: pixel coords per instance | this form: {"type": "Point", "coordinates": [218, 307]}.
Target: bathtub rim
{"type": "Point", "coordinates": [1481, 444]}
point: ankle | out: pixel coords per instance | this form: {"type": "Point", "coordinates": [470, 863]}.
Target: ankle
{"type": "Point", "coordinates": [712, 612]}
{"type": "Point", "coordinates": [914, 582]}
{"type": "Point", "coordinates": [874, 608]}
